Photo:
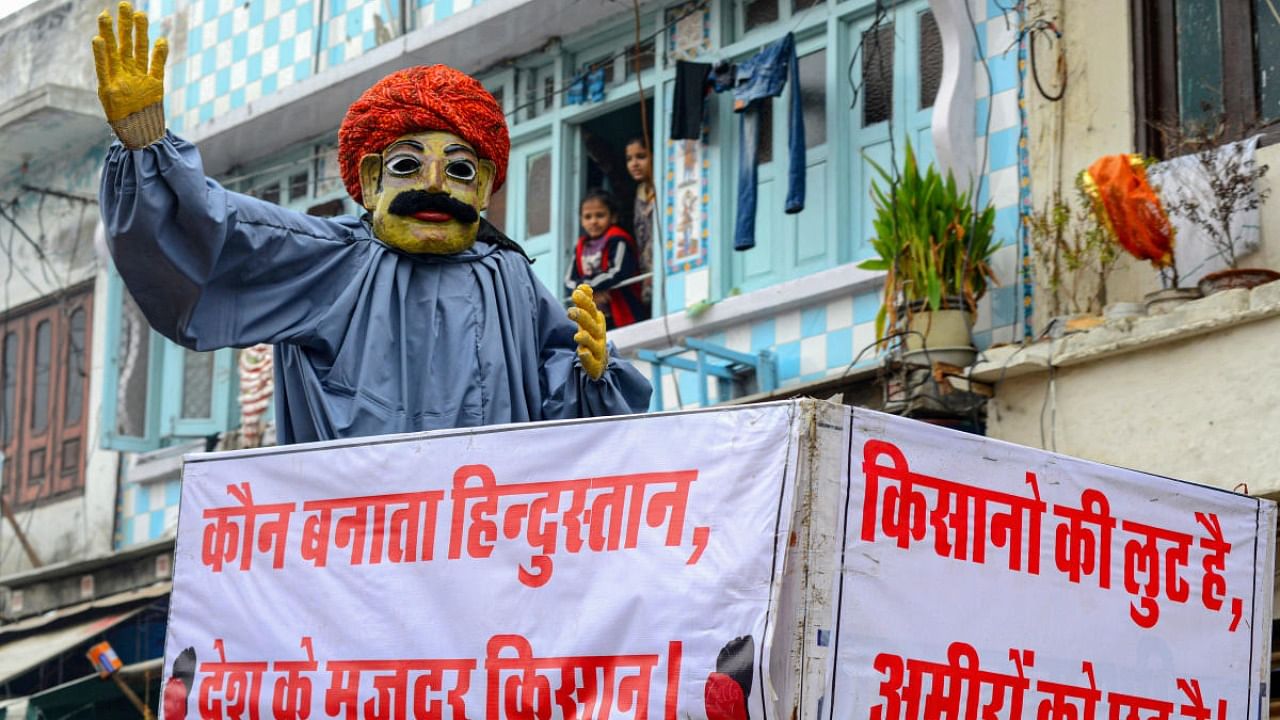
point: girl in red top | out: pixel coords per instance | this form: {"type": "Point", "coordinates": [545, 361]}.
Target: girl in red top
{"type": "Point", "coordinates": [605, 256]}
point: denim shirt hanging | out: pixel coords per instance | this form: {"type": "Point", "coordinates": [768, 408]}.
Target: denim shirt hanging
{"type": "Point", "coordinates": [763, 76]}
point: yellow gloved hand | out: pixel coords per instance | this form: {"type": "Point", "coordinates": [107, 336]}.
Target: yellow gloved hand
{"type": "Point", "coordinates": [592, 352]}
{"type": "Point", "coordinates": [131, 90]}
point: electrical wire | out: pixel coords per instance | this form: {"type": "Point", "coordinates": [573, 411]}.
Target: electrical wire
{"type": "Point", "coordinates": [1275, 13]}
{"type": "Point", "coordinates": [76, 352]}
{"type": "Point", "coordinates": [1050, 401]}
{"type": "Point", "coordinates": [1045, 27]}
{"type": "Point", "coordinates": [610, 58]}
{"type": "Point", "coordinates": [881, 341]}
{"type": "Point", "coordinates": [986, 132]}
{"type": "Point", "coordinates": [14, 266]}
{"type": "Point", "coordinates": [655, 214]}
{"type": "Point", "coordinates": [5, 420]}
{"type": "Point", "coordinates": [316, 155]}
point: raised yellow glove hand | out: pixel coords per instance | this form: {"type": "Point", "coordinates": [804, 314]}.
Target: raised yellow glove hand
{"type": "Point", "coordinates": [592, 351]}
{"type": "Point", "coordinates": [131, 91]}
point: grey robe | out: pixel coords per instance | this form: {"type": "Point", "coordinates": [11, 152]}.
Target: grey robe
{"type": "Point", "coordinates": [368, 340]}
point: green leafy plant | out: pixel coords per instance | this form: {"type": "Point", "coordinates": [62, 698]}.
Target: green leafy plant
{"type": "Point", "coordinates": [930, 241]}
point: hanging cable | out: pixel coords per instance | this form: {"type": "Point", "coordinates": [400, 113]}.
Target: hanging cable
{"type": "Point", "coordinates": [1047, 28]}
{"type": "Point", "coordinates": [655, 217]}
{"type": "Point", "coordinates": [606, 60]}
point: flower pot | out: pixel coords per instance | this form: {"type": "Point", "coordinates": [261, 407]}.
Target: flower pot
{"type": "Point", "coordinates": [1124, 310]}
{"type": "Point", "coordinates": [943, 335]}
{"type": "Point", "coordinates": [1233, 278]}
{"type": "Point", "coordinates": [1167, 300]}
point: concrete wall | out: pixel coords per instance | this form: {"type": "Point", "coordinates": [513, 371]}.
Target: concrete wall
{"type": "Point", "coordinates": [37, 42]}
{"type": "Point", "coordinates": [1192, 396]}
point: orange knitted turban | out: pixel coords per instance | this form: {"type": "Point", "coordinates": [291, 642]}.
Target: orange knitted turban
{"type": "Point", "coordinates": [422, 99]}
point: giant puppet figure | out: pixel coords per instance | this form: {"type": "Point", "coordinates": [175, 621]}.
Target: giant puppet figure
{"type": "Point", "coordinates": [420, 315]}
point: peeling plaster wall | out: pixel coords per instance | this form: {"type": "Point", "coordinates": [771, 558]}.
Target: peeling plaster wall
{"type": "Point", "coordinates": [1206, 409]}
{"type": "Point", "coordinates": [34, 45]}
{"type": "Point", "coordinates": [47, 45]}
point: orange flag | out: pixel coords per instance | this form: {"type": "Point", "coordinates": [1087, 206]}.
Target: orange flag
{"type": "Point", "coordinates": [1128, 206]}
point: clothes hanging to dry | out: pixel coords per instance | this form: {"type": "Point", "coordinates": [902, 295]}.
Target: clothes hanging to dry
{"type": "Point", "coordinates": [687, 105]}
{"type": "Point", "coordinates": [762, 76]}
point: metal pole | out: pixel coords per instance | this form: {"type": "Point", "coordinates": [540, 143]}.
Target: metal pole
{"type": "Point", "coordinates": [133, 697]}
{"type": "Point", "coordinates": [13, 522]}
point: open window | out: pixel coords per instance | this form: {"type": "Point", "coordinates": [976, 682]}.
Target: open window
{"type": "Point", "coordinates": [603, 143]}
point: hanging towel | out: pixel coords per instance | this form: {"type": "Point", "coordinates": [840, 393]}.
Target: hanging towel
{"type": "Point", "coordinates": [595, 85]}
{"type": "Point", "coordinates": [686, 107]}
{"type": "Point", "coordinates": [577, 93]}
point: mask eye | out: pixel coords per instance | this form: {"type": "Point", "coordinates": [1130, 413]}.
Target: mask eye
{"type": "Point", "coordinates": [463, 170]}
{"type": "Point", "coordinates": [403, 165]}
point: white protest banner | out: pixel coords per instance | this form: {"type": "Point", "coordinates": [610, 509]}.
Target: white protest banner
{"type": "Point", "coordinates": [984, 580]}
{"type": "Point", "coordinates": [616, 568]}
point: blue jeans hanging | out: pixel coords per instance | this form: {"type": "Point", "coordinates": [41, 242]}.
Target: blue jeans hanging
{"type": "Point", "coordinates": [763, 76]}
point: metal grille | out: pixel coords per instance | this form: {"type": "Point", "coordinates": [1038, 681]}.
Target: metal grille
{"type": "Point", "coordinates": [73, 402]}
{"type": "Point", "coordinates": [197, 384]}
{"type": "Point", "coordinates": [538, 196]}
{"type": "Point", "coordinates": [877, 75]}
{"type": "Point", "coordinates": [813, 95]}
{"type": "Point", "coordinates": [759, 12]}
{"type": "Point", "coordinates": [44, 357]}
{"type": "Point", "coordinates": [930, 59]}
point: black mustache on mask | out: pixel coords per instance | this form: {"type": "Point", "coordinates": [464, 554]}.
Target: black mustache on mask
{"type": "Point", "coordinates": [412, 202]}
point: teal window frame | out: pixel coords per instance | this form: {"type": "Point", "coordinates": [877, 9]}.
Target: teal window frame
{"type": "Point", "coordinates": [856, 208]}
{"type": "Point", "coordinates": [841, 202]}
{"type": "Point", "coordinates": [781, 252]}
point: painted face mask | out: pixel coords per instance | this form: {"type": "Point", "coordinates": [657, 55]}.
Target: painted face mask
{"type": "Point", "coordinates": [425, 192]}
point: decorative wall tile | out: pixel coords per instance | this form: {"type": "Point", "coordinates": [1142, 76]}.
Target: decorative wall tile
{"type": "Point", "coordinates": [787, 327]}
{"type": "Point", "coordinates": [763, 335]}
{"type": "Point", "coordinates": [813, 354]}
{"type": "Point", "coordinates": [839, 313]}
{"type": "Point", "coordinates": [813, 321]}
{"type": "Point", "coordinates": [840, 347]}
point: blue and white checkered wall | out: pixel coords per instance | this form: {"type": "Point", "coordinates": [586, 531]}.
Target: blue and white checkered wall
{"type": "Point", "coordinates": [146, 511]}
{"type": "Point", "coordinates": [809, 344]}
{"type": "Point", "coordinates": [998, 131]}
{"type": "Point", "coordinates": [228, 53]}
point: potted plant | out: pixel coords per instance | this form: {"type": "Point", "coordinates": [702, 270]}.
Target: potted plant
{"type": "Point", "coordinates": [1074, 256]}
{"type": "Point", "coordinates": [1231, 175]}
{"type": "Point", "coordinates": [935, 249]}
